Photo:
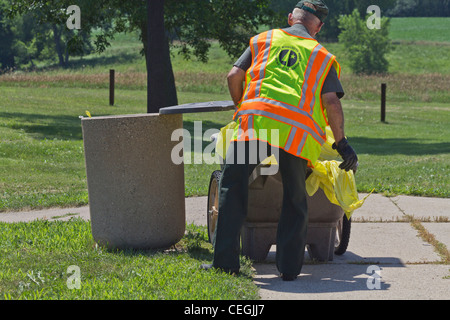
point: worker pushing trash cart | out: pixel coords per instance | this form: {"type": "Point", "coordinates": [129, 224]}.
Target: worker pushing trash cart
{"type": "Point", "coordinates": [286, 91]}
{"type": "Point", "coordinates": [332, 199]}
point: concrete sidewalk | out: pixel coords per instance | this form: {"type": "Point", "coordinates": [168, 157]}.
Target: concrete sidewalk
{"type": "Point", "coordinates": [406, 266]}
{"type": "Point", "coordinates": [380, 240]}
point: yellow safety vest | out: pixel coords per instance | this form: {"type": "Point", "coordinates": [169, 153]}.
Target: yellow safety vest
{"type": "Point", "coordinates": [283, 91]}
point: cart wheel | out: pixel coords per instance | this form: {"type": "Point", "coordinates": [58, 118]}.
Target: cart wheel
{"type": "Point", "coordinates": [213, 204]}
{"type": "Point", "coordinates": [342, 235]}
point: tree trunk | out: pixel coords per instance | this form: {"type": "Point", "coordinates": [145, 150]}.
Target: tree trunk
{"type": "Point", "coordinates": [66, 59]}
{"type": "Point", "coordinates": [57, 39]}
{"type": "Point", "coordinates": [161, 91]}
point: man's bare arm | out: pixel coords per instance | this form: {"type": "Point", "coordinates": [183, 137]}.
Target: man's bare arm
{"type": "Point", "coordinates": [236, 78]}
{"type": "Point", "coordinates": [336, 120]}
{"type": "Point", "coordinates": [335, 114]}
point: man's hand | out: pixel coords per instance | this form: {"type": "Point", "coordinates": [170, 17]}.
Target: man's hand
{"type": "Point", "coordinates": [348, 155]}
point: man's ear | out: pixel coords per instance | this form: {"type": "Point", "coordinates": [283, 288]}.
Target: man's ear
{"type": "Point", "coordinates": [320, 26]}
{"type": "Point", "coordinates": [290, 22]}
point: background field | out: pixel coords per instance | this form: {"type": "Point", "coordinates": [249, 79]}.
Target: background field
{"type": "Point", "coordinates": [41, 151]}
{"type": "Point", "coordinates": [420, 29]}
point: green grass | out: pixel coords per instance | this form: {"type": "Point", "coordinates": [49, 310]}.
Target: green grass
{"type": "Point", "coordinates": [42, 160]}
{"type": "Point", "coordinates": [36, 257]}
{"type": "Point", "coordinates": [41, 150]}
{"type": "Point", "coordinates": [420, 29]}
{"type": "Point", "coordinates": [409, 154]}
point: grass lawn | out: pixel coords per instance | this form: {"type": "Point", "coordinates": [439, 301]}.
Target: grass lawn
{"type": "Point", "coordinates": [104, 275]}
{"type": "Point", "coordinates": [42, 160]}
{"type": "Point", "coordinates": [409, 154]}
{"type": "Point", "coordinates": [420, 29]}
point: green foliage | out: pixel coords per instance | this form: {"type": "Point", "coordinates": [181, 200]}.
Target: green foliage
{"type": "Point", "coordinates": [192, 23]}
{"type": "Point", "coordinates": [330, 30]}
{"type": "Point", "coordinates": [366, 47]}
{"type": "Point", "coordinates": [7, 38]}
{"type": "Point", "coordinates": [30, 37]}
{"type": "Point", "coordinates": [420, 8]}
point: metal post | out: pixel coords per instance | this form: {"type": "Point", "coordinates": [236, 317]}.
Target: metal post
{"type": "Point", "coordinates": [383, 102]}
{"type": "Point", "coordinates": [111, 87]}
{"type": "Point", "coordinates": [147, 54]}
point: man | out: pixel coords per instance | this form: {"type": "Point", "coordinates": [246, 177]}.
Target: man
{"type": "Point", "coordinates": [285, 81]}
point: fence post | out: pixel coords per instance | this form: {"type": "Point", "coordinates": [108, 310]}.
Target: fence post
{"type": "Point", "coordinates": [111, 86]}
{"type": "Point", "coordinates": [383, 102]}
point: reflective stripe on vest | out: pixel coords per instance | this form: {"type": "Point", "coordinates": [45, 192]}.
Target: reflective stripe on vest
{"type": "Point", "coordinates": [260, 57]}
{"type": "Point", "coordinates": [283, 91]}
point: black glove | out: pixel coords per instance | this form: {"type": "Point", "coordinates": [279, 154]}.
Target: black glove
{"type": "Point", "coordinates": [348, 155]}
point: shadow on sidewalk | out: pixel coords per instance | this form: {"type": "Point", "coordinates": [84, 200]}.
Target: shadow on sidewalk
{"type": "Point", "coordinates": [346, 273]}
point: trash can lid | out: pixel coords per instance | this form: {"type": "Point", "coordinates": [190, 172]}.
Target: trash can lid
{"type": "Point", "coordinates": [210, 106]}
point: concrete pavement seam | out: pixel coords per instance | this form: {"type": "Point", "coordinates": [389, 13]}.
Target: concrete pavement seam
{"type": "Point", "coordinates": [426, 236]}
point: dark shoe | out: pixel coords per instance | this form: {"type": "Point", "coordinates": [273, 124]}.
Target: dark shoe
{"type": "Point", "coordinates": [207, 266]}
{"type": "Point", "coordinates": [288, 277]}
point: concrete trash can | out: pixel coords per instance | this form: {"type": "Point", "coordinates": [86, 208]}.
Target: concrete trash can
{"type": "Point", "coordinates": [136, 192]}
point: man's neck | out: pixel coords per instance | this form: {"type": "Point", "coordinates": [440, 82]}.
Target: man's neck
{"type": "Point", "coordinates": [300, 25]}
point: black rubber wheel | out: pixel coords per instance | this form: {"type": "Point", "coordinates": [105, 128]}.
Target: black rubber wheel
{"type": "Point", "coordinates": [342, 235]}
{"type": "Point", "coordinates": [213, 204]}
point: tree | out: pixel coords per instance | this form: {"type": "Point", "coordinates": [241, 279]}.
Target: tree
{"type": "Point", "coordinates": [160, 80]}
{"type": "Point", "coordinates": [403, 8]}
{"type": "Point", "coordinates": [22, 41]}
{"type": "Point", "coordinates": [330, 31]}
{"type": "Point", "coordinates": [29, 37]}
{"type": "Point", "coordinates": [7, 39]}
{"type": "Point", "coordinates": [192, 23]}
{"type": "Point", "coordinates": [421, 8]}
{"type": "Point", "coordinates": [366, 47]}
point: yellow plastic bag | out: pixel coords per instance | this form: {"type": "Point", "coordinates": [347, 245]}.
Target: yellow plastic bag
{"type": "Point", "coordinates": [224, 139]}
{"type": "Point", "coordinates": [338, 185]}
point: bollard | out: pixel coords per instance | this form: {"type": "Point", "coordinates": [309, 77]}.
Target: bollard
{"type": "Point", "coordinates": [111, 86]}
{"type": "Point", "coordinates": [383, 102]}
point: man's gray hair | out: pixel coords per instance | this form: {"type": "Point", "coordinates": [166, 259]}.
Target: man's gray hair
{"type": "Point", "coordinates": [303, 15]}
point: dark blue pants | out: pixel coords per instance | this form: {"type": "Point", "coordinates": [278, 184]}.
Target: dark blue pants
{"type": "Point", "coordinates": [233, 207]}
